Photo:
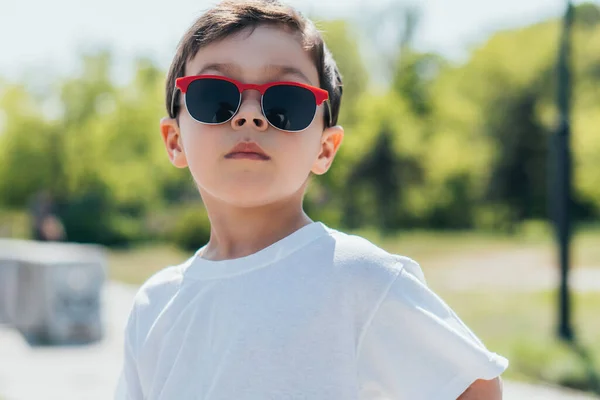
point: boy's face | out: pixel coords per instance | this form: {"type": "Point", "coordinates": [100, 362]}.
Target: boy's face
{"type": "Point", "coordinates": [245, 180]}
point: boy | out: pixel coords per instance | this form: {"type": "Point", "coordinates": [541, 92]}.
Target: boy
{"type": "Point", "coordinates": [277, 306]}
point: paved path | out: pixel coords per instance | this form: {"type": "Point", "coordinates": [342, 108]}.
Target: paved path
{"type": "Point", "coordinates": [521, 391]}
{"type": "Point", "coordinates": [90, 372]}
{"type": "Point", "coordinates": [67, 373]}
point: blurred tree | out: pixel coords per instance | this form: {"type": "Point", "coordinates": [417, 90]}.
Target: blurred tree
{"type": "Point", "coordinates": [384, 176]}
{"type": "Point", "coordinates": [500, 106]}
{"type": "Point", "coordinates": [384, 173]}
{"type": "Point", "coordinates": [587, 15]}
{"type": "Point", "coordinates": [414, 75]}
{"type": "Point", "coordinates": [441, 145]}
{"type": "Point", "coordinates": [343, 44]}
{"type": "Point", "coordinates": [519, 166]}
{"type": "Point", "coordinates": [322, 200]}
{"type": "Point", "coordinates": [390, 28]}
{"type": "Point", "coordinates": [25, 142]}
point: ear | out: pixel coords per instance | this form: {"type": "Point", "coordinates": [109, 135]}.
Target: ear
{"type": "Point", "coordinates": [169, 129]}
{"type": "Point", "coordinates": [331, 139]}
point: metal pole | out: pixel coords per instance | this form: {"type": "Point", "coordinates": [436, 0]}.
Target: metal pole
{"type": "Point", "coordinates": [563, 176]}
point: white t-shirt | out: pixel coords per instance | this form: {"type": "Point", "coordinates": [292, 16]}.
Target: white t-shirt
{"type": "Point", "coordinates": [318, 315]}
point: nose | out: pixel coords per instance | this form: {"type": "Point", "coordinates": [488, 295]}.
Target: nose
{"type": "Point", "coordinates": [250, 113]}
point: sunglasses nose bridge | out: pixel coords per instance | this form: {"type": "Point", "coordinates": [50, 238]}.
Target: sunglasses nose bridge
{"type": "Point", "coordinates": [253, 94]}
{"type": "Point", "coordinates": [250, 111]}
{"type": "Point", "coordinates": [251, 91]}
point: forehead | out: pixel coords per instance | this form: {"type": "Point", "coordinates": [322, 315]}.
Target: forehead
{"type": "Point", "coordinates": [257, 56]}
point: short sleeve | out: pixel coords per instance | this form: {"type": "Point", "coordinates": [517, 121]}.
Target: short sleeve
{"type": "Point", "coordinates": [416, 347]}
{"type": "Point", "coordinates": [128, 386]}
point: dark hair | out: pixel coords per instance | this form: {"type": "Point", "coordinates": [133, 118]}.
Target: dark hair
{"type": "Point", "coordinates": [230, 17]}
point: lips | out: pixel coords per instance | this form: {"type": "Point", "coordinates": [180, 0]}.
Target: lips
{"type": "Point", "coordinates": [247, 151]}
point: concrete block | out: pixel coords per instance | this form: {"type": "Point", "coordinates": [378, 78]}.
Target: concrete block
{"type": "Point", "coordinates": [56, 294]}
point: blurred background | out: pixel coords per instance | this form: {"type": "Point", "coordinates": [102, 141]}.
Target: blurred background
{"type": "Point", "coordinates": [451, 110]}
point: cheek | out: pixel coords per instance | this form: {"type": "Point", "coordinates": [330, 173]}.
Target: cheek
{"type": "Point", "coordinates": [303, 149]}
{"type": "Point", "coordinates": [200, 146]}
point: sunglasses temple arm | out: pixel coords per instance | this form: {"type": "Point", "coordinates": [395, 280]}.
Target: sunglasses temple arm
{"type": "Point", "coordinates": [173, 102]}
{"type": "Point", "coordinates": [329, 112]}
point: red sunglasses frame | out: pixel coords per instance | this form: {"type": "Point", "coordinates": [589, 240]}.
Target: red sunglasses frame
{"type": "Point", "coordinates": [321, 95]}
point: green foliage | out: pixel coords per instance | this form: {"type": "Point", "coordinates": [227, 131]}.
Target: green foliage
{"type": "Point", "coordinates": [587, 15]}
{"type": "Point", "coordinates": [101, 155]}
{"type": "Point", "coordinates": [26, 145]}
{"type": "Point", "coordinates": [519, 166]}
{"type": "Point", "coordinates": [494, 117]}
{"type": "Point", "coordinates": [443, 146]}
{"type": "Point", "coordinates": [344, 48]}
{"type": "Point", "coordinates": [413, 80]}
{"type": "Point", "coordinates": [191, 229]}
{"type": "Point", "coordinates": [14, 223]}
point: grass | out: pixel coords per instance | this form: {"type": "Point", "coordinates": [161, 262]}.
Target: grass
{"type": "Point", "coordinates": [522, 327]}
{"type": "Point", "coordinates": [438, 248]}
{"type": "Point", "coordinates": [518, 325]}
{"type": "Point", "coordinates": [137, 265]}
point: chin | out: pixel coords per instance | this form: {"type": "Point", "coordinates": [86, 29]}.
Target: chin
{"type": "Point", "coordinates": [250, 190]}
{"type": "Point", "coordinates": [246, 195]}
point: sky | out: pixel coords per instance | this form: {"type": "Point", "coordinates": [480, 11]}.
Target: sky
{"type": "Point", "coordinates": [45, 35]}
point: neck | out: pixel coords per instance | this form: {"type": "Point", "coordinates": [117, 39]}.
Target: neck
{"type": "Point", "coordinates": [238, 232]}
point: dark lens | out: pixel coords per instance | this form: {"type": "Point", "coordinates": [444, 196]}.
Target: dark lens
{"type": "Point", "coordinates": [212, 101]}
{"type": "Point", "coordinates": [290, 108]}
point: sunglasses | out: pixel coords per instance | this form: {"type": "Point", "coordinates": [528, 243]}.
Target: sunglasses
{"type": "Point", "coordinates": [214, 100]}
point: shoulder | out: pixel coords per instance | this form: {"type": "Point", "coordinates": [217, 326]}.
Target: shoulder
{"type": "Point", "coordinates": [367, 272]}
{"type": "Point", "coordinates": [150, 300]}
{"type": "Point", "coordinates": [159, 288]}
{"type": "Point", "coordinates": [364, 257]}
